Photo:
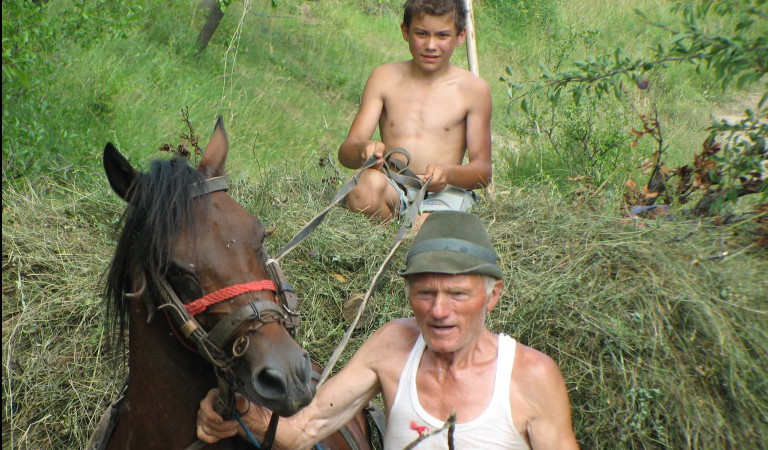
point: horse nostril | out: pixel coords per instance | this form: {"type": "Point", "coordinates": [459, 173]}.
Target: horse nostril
{"type": "Point", "coordinates": [270, 384]}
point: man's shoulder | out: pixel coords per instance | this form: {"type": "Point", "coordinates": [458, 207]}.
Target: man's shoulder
{"type": "Point", "coordinates": [405, 330]}
{"type": "Point", "coordinates": [531, 363]}
{"type": "Point", "coordinates": [393, 339]}
{"type": "Point", "coordinates": [398, 335]}
{"type": "Point", "coordinates": [537, 378]}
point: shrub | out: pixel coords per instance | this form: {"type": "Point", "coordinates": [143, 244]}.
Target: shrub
{"type": "Point", "coordinates": [728, 38]}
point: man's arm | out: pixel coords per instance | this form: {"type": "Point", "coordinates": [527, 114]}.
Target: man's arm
{"type": "Point", "coordinates": [539, 379]}
{"type": "Point", "coordinates": [358, 146]}
{"type": "Point", "coordinates": [478, 171]}
{"type": "Point", "coordinates": [336, 403]}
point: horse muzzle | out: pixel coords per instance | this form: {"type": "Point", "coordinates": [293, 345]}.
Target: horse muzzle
{"type": "Point", "coordinates": [278, 381]}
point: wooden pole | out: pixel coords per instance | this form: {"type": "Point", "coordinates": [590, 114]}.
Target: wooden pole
{"type": "Point", "coordinates": [472, 62]}
{"type": "Point", "coordinates": [471, 44]}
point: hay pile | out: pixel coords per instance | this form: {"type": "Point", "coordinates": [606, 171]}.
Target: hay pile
{"type": "Point", "coordinates": [56, 244]}
{"type": "Point", "coordinates": [663, 341]}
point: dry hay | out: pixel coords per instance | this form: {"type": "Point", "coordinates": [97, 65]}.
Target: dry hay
{"type": "Point", "coordinates": [662, 341]}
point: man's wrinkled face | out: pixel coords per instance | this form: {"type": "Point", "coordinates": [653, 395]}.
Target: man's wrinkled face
{"type": "Point", "coordinates": [450, 309]}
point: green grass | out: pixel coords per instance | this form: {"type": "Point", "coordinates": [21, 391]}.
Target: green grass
{"type": "Point", "coordinates": [661, 338]}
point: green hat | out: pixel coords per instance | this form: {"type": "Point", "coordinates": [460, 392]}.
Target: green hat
{"type": "Point", "coordinates": [452, 242]}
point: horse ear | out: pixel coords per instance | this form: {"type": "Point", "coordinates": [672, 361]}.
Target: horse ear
{"type": "Point", "coordinates": [120, 173]}
{"type": "Point", "coordinates": [212, 164]}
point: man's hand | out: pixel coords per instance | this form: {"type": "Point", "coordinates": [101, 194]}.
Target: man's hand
{"type": "Point", "coordinates": [211, 427]}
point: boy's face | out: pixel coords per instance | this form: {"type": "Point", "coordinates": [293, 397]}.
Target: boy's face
{"type": "Point", "coordinates": [431, 40]}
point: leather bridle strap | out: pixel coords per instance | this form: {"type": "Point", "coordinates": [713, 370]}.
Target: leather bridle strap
{"type": "Point", "coordinates": [189, 327]}
{"type": "Point", "coordinates": [285, 292]}
{"type": "Point", "coordinates": [210, 185]}
{"type": "Point", "coordinates": [262, 312]}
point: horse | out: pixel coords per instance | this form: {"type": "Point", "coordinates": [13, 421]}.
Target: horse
{"type": "Point", "coordinates": [203, 306]}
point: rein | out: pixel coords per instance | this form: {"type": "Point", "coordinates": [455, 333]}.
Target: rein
{"type": "Point", "coordinates": [402, 176]}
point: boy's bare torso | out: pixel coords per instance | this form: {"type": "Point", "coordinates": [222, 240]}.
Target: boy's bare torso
{"type": "Point", "coordinates": [426, 117]}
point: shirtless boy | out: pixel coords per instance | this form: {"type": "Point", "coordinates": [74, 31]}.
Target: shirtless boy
{"type": "Point", "coordinates": [433, 109]}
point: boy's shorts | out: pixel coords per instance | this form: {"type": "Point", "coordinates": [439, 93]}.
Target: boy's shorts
{"type": "Point", "coordinates": [449, 199]}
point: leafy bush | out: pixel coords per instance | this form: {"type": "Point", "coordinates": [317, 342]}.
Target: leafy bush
{"type": "Point", "coordinates": [728, 38]}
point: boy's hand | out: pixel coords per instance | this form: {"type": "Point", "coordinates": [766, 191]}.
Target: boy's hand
{"type": "Point", "coordinates": [211, 427]}
{"type": "Point", "coordinates": [439, 174]}
{"type": "Point", "coordinates": [374, 148]}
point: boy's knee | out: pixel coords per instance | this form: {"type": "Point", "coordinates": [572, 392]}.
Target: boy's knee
{"type": "Point", "coordinates": [369, 197]}
{"type": "Point", "coordinates": [362, 200]}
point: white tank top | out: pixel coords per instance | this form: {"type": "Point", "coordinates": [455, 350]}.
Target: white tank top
{"type": "Point", "coordinates": [493, 429]}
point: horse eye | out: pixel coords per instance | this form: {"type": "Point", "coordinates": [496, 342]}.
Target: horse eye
{"type": "Point", "coordinates": [175, 270]}
{"type": "Point", "coordinates": [183, 281]}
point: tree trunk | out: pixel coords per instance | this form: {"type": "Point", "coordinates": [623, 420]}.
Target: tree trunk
{"type": "Point", "coordinates": [214, 17]}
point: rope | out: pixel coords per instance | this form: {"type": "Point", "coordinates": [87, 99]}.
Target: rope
{"type": "Point", "coordinates": [407, 222]}
{"type": "Point", "coordinates": [248, 433]}
{"type": "Point", "coordinates": [202, 303]}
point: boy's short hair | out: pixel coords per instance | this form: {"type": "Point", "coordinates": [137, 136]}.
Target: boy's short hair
{"type": "Point", "coordinates": [417, 8]}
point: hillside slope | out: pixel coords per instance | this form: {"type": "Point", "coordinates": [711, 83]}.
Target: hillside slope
{"type": "Point", "coordinates": [659, 326]}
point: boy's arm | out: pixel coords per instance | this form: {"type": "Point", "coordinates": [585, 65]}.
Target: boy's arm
{"type": "Point", "coordinates": [478, 171]}
{"type": "Point", "coordinates": [358, 146]}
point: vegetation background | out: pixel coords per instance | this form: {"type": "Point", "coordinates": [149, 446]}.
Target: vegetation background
{"type": "Point", "coordinates": [659, 325]}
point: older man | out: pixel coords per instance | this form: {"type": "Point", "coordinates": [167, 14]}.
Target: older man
{"type": "Point", "coordinates": [505, 395]}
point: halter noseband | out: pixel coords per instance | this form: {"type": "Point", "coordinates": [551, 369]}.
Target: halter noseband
{"type": "Point", "coordinates": [200, 305]}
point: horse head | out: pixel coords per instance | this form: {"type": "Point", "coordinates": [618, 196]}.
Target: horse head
{"type": "Point", "coordinates": [189, 251]}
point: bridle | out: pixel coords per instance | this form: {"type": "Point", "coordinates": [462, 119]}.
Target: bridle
{"type": "Point", "coordinates": [210, 344]}
{"type": "Point", "coordinates": [258, 313]}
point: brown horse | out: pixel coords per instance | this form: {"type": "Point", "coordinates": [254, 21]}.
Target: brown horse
{"type": "Point", "coordinates": [191, 284]}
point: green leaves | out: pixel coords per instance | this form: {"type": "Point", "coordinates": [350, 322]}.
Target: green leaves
{"type": "Point", "coordinates": [726, 38]}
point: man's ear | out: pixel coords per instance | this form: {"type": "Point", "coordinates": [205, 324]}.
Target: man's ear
{"type": "Point", "coordinates": [404, 29]}
{"type": "Point", "coordinates": [495, 295]}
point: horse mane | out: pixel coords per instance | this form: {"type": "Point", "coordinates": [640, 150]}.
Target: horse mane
{"type": "Point", "coordinates": [160, 205]}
